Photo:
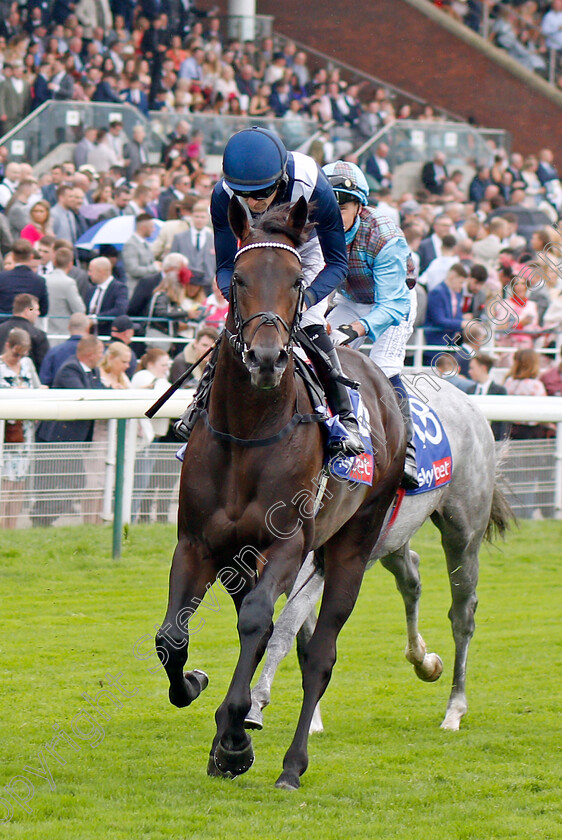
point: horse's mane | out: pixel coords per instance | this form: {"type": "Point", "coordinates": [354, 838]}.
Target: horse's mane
{"type": "Point", "coordinates": [274, 221]}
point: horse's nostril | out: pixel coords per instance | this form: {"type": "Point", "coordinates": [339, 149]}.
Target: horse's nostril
{"type": "Point", "coordinates": [251, 358]}
{"type": "Point", "coordinates": [282, 359]}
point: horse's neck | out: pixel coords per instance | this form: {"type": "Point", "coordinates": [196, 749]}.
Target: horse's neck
{"type": "Point", "coordinates": [240, 409]}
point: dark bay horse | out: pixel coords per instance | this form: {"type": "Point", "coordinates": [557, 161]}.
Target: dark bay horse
{"type": "Point", "coordinates": [251, 467]}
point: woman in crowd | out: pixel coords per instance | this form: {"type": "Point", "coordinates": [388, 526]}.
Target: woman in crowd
{"type": "Point", "coordinates": [522, 380]}
{"type": "Point", "coordinates": [523, 316]}
{"type": "Point", "coordinates": [152, 469]}
{"type": "Point", "coordinates": [16, 371]}
{"type": "Point", "coordinates": [39, 224]}
{"type": "Point", "coordinates": [533, 187]}
{"type": "Point", "coordinates": [114, 365]}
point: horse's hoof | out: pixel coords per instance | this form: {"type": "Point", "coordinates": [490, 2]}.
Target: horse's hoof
{"type": "Point", "coordinates": [254, 718]}
{"type": "Point", "coordinates": [199, 677]}
{"type": "Point", "coordinates": [456, 710]}
{"type": "Point", "coordinates": [212, 769]}
{"type": "Point", "coordinates": [430, 669]}
{"type": "Point", "coordinates": [194, 683]}
{"type": "Point", "coordinates": [232, 763]}
{"type": "Point", "coordinates": [288, 781]}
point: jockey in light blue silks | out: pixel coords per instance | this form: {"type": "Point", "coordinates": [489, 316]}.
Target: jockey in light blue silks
{"type": "Point", "coordinates": [377, 298]}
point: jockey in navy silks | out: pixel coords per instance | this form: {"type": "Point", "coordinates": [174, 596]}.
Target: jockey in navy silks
{"type": "Point", "coordinates": [259, 170]}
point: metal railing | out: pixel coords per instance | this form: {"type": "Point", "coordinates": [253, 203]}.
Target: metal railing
{"type": "Point", "coordinates": [418, 141]}
{"type": "Point", "coordinates": [124, 479]}
{"type": "Point", "coordinates": [56, 122]}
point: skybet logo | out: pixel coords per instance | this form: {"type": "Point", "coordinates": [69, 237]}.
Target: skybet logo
{"type": "Point", "coordinates": [439, 473]}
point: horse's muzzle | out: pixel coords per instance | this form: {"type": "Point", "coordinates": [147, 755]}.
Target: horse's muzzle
{"type": "Point", "coordinates": [266, 366]}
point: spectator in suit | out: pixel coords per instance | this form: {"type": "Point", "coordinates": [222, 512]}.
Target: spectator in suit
{"type": "Point", "coordinates": [444, 318]}
{"type": "Point", "coordinates": [84, 147]}
{"type": "Point", "coordinates": [25, 312]}
{"type": "Point", "coordinates": [479, 369]}
{"type": "Point", "coordinates": [431, 247]}
{"type": "Point", "coordinates": [121, 198]}
{"type": "Point", "coordinates": [434, 174]}
{"type": "Point", "coordinates": [477, 188]}
{"type": "Point", "coordinates": [64, 297]}
{"type": "Point", "coordinates": [107, 297]}
{"type": "Point", "coordinates": [21, 279]}
{"type": "Point", "coordinates": [139, 202]}
{"type": "Point", "coordinates": [61, 84]}
{"type": "Point", "coordinates": [17, 211]}
{"type": "Point", "coordinates": [63, 217]}
{"type": "Point", "coordinates": [377, 166]}
{"type": "Point", "coordinates": [49, 191]}
{"type": "Point", "coordinates": [15, 96]}
{"type": "Point", "coordinates": [137, 256]}
{"type": "Point", "coordinates": [181, 184]}
{"type": "Point", "coordinates": [80, 371]}
{"type": "Point", "coordinates": [41, 90]}
{"type": "Point", "coordinates": [79, 325]}
{"type": "Point", "coordinates": [136, 96]}
{"type": "Point", "coordinates": [198, 246]}
{"type": "Point", "coordinates": [135, 152]}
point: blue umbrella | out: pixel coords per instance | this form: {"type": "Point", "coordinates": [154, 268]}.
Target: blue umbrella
{"type": "Point", "coordinates": [114, 231]}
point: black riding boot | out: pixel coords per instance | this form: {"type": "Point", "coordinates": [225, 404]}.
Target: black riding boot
{"type": "Point", "coordinates": [185, 425]}
{"type": "Point", "coordinates": [324, 357]}
{"type": "Point", "coordinates": [410, 477]}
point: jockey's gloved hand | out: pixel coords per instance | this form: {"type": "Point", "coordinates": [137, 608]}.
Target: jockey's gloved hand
{"type": "Point", "coordinates": [343, 334]}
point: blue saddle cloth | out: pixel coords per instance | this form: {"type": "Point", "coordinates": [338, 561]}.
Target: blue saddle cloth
{"type": "Point", "coordinates": [359, 468]}
{"type": "Point", "coordinates": [433, 451]}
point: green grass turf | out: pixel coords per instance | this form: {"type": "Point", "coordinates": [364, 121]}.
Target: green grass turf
{"type": "Point", "coordinates": [383, 768]}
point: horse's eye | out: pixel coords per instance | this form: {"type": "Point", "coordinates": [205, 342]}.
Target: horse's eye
{"type": "Point", "coordinates": [238, 280]}
{"type": "Point", "coordinates": [298, 282]}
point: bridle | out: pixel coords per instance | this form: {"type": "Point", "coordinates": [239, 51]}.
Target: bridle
{"type": "Point", "coordinates": [270, 319]}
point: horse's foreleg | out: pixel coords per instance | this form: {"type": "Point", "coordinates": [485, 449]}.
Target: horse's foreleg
{"type": "Point", "coordinates": [233, 752]}
{"type": "Point", "coordinates": [296, 617]}
{"type": "Point", "coordinates": [303, 638]}
{"type": "Point", "coordinates": [188, 580]}
{"type": "Point", "coordinates": [341, 588]}
{"type": "Point", "coordinates": [404, 565]}
{"type": "Point", "coordinates": [463, 578]}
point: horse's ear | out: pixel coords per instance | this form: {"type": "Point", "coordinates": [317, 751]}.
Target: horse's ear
{"type": "Point", "coordinates": [238, 219]}
{"type": "Point", "coordinates": [298, 215]}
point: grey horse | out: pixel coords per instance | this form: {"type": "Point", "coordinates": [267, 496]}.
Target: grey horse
{"type": "Point", "coordinates": [467, 510]}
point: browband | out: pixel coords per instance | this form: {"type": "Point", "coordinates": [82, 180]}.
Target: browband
{"type": "Point", "coordinates": [268, 245]}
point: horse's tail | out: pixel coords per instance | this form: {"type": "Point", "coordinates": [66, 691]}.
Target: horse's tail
{"type": "Point", "coordinates": [501, 513]}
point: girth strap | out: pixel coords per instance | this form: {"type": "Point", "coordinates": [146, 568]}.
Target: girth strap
{"type": "Point", "coordinates": [250, 444]}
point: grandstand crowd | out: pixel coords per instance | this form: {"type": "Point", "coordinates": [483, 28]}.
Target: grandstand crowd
{"type": "Point", "coordinates": [527, 29]}
{"type": "Point", "coordinates": [491, 243]}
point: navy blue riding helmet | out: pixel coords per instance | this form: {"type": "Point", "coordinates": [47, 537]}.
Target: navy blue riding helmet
{"type": "Point", "coordinates": [256, 165]}
{"type": "Point", "coordinates": [255, 161]}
